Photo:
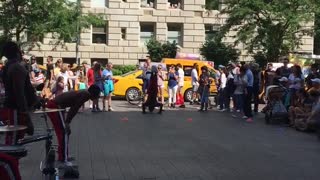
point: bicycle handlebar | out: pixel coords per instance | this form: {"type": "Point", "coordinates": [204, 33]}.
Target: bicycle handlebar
{"type": "Point", "coordinates": [35, 139]}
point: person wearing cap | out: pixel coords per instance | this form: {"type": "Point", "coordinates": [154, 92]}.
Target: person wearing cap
{"type": "Point", "coordinates": [313, 75]}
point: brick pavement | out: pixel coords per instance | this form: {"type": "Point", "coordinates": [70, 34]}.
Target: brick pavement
{"type": "Point", "coordinates": [182, 145]}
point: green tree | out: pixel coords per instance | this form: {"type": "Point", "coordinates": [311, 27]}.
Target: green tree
{"type": "Point", "coordinates": [212, 4]}
{"type": "Point", "coordinates": [317, 35]}
{"type": "Point", "coordinates": [217, 51]}
{"type": "Point", "coordinates": [158, 50]}
{"type": "Point", "coordinates": [38, 17]}
{"type": "Point", "coordinates": [273, 26]}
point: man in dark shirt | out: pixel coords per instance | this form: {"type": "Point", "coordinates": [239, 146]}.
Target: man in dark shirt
{"type": "Point", "coordinates": [20, 96]}
{"type": "Point", "coordinates": [19, 93]}
{"type": "Point", "coordinates": [284, 71]}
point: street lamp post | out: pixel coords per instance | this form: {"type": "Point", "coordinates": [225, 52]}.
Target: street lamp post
{"type": "Point", "coordinates": [78, 32]}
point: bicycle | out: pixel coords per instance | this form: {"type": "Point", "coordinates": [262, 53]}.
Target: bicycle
{"type": "Point", "coordinates": [47, 166]}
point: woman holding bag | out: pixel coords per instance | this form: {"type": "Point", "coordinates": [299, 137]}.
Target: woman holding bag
{"type": "Point", "coordinates": [108, 86]}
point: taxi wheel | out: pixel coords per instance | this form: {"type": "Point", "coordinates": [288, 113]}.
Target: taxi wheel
{"type": "Point", "coordinates": [134, 96]}
{"type": "Point", "coordinates": [188, 95]}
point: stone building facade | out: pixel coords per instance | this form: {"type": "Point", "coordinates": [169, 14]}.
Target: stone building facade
{"type": "Point", "coordinates": [129, 23]}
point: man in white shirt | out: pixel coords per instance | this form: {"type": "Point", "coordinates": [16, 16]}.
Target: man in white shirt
{"type": "Point", "coordinates": [180, 85]}
{"type": "Point", "coordinates": [195, 82]}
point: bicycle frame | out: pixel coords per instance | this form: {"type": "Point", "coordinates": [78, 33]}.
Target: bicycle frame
{"type": "Point", "coordinates": [50, 172]}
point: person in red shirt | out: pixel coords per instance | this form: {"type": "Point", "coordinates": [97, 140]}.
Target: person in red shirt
{"type": "Point", "coordinates": [90, 79]}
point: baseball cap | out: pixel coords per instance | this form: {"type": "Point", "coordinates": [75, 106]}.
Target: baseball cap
{"type": "Point", "coordinates": [315, 80]}
{"type": "Point", "coordinates": [283, 79]}
{"type": "Point", "coordinates": [221, 66]}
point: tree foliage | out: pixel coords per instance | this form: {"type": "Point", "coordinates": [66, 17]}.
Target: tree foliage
{"type": "Point", "coordinates": [273, 26]}
{"type": "Point", "coordinates": [317, 35]}
{"type": "Point", "coordinates": [38, 17]}
{"type": "Point", "coordinates": [158, 50]}
{"type": "Point", "coordinates": [217, 51]}
{"type": "Point", "coordinates": [212, 4]}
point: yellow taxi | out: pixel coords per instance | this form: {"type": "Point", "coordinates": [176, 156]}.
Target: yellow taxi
{"type": "Point", "coordinates": [187, 65]}
{"type": "Point", "coordinates": [129, 85]}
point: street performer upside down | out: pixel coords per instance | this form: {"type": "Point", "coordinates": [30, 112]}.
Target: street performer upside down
{"type": "Point", "coordinates": [74, 100]}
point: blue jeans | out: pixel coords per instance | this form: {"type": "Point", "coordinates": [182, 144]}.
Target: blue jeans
{"type": "Point", "coordinates": [145, 85]}
{"type": "Point", "coordinates": [239, 98]}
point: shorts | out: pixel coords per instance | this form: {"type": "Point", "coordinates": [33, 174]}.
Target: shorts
{"type": "Point", "coordinates": [108, 87]}
{"type": "Point", "coordinates": [195, 88]}
{"type": "Point", "coordinates": [161, 86]}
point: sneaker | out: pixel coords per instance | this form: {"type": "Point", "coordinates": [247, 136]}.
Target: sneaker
{"type": "Point", "coordinates": [223, 110]}
{"type": "Point", "coordinates": [110, 109]}
{"type": "Point", "coordinates": [249, 120]}
{"type": "Point", "coordinates": [244, 117]}
{"type": "Point", "coordinates": [238, 111]}
{"type": "Point", "coordinates": [94, 110]}
{"type": "Point", "coordinates": [98, 110]}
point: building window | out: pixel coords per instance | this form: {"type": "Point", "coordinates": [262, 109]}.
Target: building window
{"type": "Point", "coordinates": [70, 61]}
{"type": "Point", "coordinates": [174, 33]}
{"type": "Point", "coordinates": [147, 31]}
{"type": "Point", "coordinates": [174, 4]}
{"type": "Point", "coordinates": [102, 61]}
{"type": "Point", "coordinates": [211, 30]}
{"type": "Point", "coordinates": [99, 35]}
{"type": "Point", "coordinates": [148, 3]}
{"type": "Point", "coordinates": [39, 60]}
{"type": "Point", "coordinates": [123, 33]}
{"type": "Point", "coordinates": [98, 3]}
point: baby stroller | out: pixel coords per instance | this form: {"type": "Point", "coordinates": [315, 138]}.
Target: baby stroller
{"type": "Point", "coordinates": [275, 110]}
